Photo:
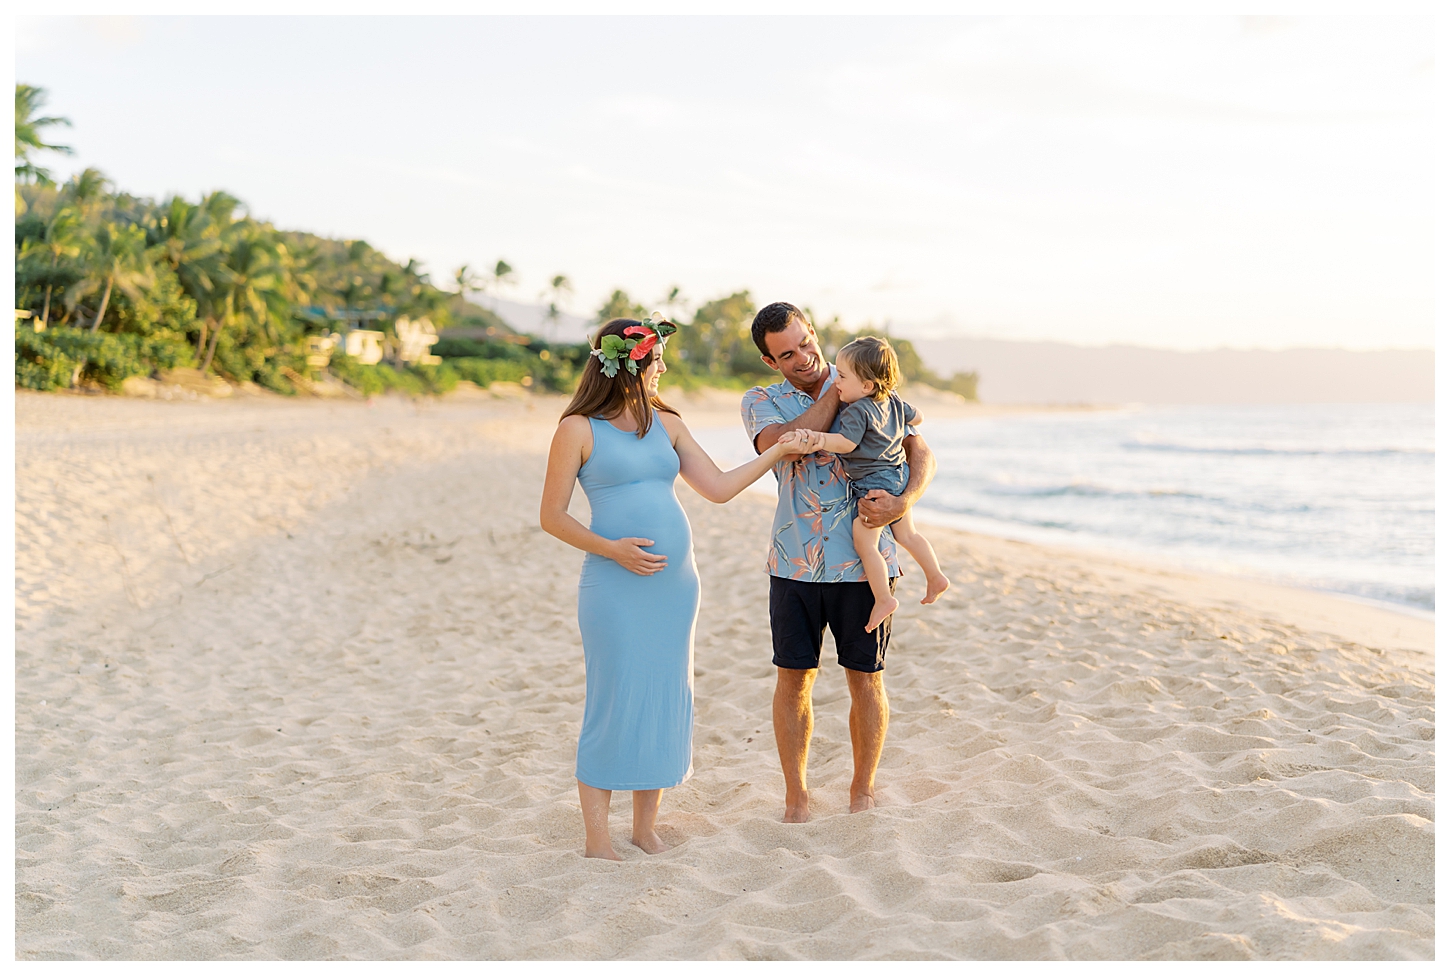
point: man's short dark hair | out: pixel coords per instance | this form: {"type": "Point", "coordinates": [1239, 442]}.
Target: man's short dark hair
{"type": "Point", "coordinates": [774, 318]}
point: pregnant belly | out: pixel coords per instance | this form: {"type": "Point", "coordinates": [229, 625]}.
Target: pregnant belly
{"type": "Point", "coordinates": [643, 512]}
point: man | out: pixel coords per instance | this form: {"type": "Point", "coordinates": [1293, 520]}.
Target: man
{"type": "Point", "coordinates": [816, 579]}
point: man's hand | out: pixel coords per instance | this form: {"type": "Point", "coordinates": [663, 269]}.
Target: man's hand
{"type": "Point", "coordinates": [879, 508]}
{"type": "Point", "coordinates": [801, 442]}
{"type": "Point", "coordinates": [813, 441]}
{"type": "Point", "coordinates": [818, 417]}
{"type": "Point", "coordinates": [798, 442]}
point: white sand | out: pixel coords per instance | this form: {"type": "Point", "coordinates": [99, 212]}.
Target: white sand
{"type": "Point", "coordinates": [302, 680]}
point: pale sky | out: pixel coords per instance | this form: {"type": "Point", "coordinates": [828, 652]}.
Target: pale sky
{"type": "Point", "coordinates": [1176, 182]}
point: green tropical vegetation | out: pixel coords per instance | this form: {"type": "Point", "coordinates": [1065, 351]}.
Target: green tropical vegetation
{"type": "Point", "coordinates": [110, 286]}
{"type": "Point", "coordinates": [714, 347]}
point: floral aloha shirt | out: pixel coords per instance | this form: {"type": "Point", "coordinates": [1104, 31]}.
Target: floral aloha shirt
{"type": "Point", "coordinates": [811, 538]}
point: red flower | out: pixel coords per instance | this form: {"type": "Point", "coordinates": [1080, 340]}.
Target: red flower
{"type": "Point", "coordinates": [642, 348]}
{"type": "Point", "coordinates": [635, 330]}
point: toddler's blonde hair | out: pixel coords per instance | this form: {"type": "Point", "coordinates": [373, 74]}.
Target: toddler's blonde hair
{"type": "Point", "coordinates": [873, 359]}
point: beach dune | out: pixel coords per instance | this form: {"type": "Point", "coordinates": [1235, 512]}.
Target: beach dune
{"type": "Point", "coordinates": [302, 680]}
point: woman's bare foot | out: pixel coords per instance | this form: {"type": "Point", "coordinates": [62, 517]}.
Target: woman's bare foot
{"type": "Point", "coordinates": [650, 843]}
{"type": "Point", "coordinates": [863, 802]}
{"type": "Point", "coordinates": [882, 610]}
{"type": "Point", "coordinates": [606, 853]}
{"type": "Point", "coordinates": [935, 587]}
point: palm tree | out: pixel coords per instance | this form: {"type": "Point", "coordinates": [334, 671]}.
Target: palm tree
{"type": "Point", "coordinates": [503, 274]}
{"type": "Point", "coordinates": [221, 208]}
{"type": "Point", "coordinates": [87, 191]}
{"type": "Point", "coordinates": [191, 238]}
{"type": "Point", "coordinates": [186, 238]}
{"type": "Point", "coordinates": [117, 259]}
{"type": "Point", "coordinates": [256, 284]}
{"type": "Point", "coordinates": [559, 286]}
{"type": "Point", "coordinates": [465, 279]}
{"type": "Point", "coordinates": [405, 288]}
{"type": "Point", "coordinates": [28, 139]}
{"type": "Point", "coordinates": [62, 240]}
{"type": "Point", "coordinates": [188, 241]}
{"type": "Point", "coordinates": [674, 303]}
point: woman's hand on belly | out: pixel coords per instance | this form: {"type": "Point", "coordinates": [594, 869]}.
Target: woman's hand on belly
{"type": "Point", "coordinates": [628, 552]}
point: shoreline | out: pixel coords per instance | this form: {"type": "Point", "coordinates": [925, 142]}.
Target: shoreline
{"type": "Point", "coordinates": [1363, 621]}
{"type": "Point", "coordinates": [716, 408]}
{"type": "Point", "coordinates": [1358, 617]}
{"type": "Point", "coordinates": [1145, 561]}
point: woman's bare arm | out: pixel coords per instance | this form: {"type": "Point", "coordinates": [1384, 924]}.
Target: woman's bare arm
{"type": "Point", "coordinates": [702, 473]}
{"type": "Point", "coordinates": [567, 454]}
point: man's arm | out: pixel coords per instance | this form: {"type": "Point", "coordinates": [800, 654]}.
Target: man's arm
{"type": "Point", "coordinates": [818, 416]}
{"type": "Point", "coordinates": [881, 508]}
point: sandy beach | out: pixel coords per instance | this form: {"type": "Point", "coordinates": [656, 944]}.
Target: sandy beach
{"type": "Point", "coordinates": [302, 680]}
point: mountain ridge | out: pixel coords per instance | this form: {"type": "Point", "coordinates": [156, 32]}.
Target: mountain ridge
{"type": "Point", "coordinates": [1013, 371]}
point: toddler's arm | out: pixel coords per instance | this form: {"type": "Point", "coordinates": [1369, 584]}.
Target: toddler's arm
{"type": "Point", "coordinates": [836, 444]}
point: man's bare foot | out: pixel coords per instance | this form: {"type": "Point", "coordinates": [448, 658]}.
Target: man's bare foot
{"type": "Point", "coordinates": [935, 587]}
{"type": "Point", "coordinates": [606, 853]}
{"type": "Point", "coordinates": [863, 802]}
{"type": "Point", "coordinates": [650, 843]}
{"type": "Point", "coordinates": [882, 610]}
{"type": "Point", "coordinates": [798, 812]}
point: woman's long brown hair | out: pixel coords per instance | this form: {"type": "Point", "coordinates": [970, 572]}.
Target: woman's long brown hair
{"type": "Point", "coordinates": [599, 396]}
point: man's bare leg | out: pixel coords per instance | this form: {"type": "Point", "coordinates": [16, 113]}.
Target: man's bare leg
{"type": "Point", "coordinates": [646, 808]}
{"type": "Point", "coordinates": [870, 714]}
{"type": "Point", "coordinates": [791, 713]}
{"type": "Point", "coordinates": [595, 804]}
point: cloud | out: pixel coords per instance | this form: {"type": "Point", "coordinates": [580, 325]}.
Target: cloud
{"type": "Point", "coordinates": [1198, 70]}
{"type": "Point", "coordinates": [647, 112]}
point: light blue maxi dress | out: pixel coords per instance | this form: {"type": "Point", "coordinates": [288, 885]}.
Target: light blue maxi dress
{"type": "Point", "coordinates": [638, 631]}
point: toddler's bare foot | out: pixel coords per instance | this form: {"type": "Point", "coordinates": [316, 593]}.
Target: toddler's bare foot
{"type": "Point", "coordinates": [935, 587]}
{"type": "Point", "coordinates": [882, 610]}
{"type": "Point", "coordinates": [863, 802]}
{"type": "Point", "coordinates": [607, 853]}
{"type": "Point", "coordinates": [650, 843]}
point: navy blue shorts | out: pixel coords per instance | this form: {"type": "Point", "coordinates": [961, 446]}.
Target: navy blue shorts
{"type": "Point", "coordinates": [800, 612]}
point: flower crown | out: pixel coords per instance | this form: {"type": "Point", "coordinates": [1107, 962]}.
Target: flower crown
{"type": "Point", "coordinates": [636, 344]}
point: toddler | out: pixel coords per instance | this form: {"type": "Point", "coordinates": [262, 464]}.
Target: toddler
{"type": "Point", "coordinates": [872, 425]}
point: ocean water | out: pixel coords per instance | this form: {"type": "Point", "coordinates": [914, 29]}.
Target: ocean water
{"type": "Point", "coordinates": [1334, 497]}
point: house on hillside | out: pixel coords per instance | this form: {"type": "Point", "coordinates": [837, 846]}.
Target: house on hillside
{"type": "Point", "coordinates": [364, 345]}
{"type": "Point", "coordinates": [415, 339]}
{"type": "Point", "coordinates": [412, 342]}
{"type": "Point", "coordinates": [350, 331]}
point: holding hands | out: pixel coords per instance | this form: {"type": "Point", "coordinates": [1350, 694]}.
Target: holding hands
{"type": "Point", "coordinates": [800, 441]}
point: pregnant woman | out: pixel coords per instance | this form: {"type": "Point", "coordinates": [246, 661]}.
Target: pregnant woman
{"type": "Point", "coordinates": [638, 592]}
